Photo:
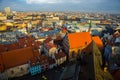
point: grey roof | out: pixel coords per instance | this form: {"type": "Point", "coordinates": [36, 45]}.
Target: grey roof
{"type": "Point", "coordinates": [47, 33]}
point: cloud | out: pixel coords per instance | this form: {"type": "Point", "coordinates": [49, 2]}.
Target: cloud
{"type": "Point", "coordinates": [53, 1]}
{"type": "Point", "coordinates": [42, 1]}
{"type": "Point", "coordinates": [62, 1]}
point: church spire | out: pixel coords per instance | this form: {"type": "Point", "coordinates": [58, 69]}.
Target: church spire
{"type": "Point", "coordinates": [90, 26]}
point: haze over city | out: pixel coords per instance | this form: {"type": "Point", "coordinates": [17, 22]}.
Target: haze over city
{"type": "Point", "coordinates": [107, 6]}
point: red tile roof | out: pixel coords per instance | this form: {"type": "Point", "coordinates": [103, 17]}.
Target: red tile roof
{"type": "Point", "coordinates": [60, 55]}
{"type": "Point", "coordinates": [43, 59]}
{"type": "Point", "coordinates": [1, 64]}
{"type": "Point", "coordinates": [16, 57]}
{"type": "Point", "coordinates": [2, 48]}
{"type": "Point", "coordinates": [49, 46]}
{"type": "Point", "coordinates": [48, 40]}
{"type": "Point", "coordinates": [98, 41]}
{"type": "Point", "coordinates": [33, 61]}
{"type": "Point", "coordinates": [39, 42]}
{"type": "Point", "coordinates": [36, 52]}
{"type": "Point", "coordinates": [51, 61]}
{"type": "Point", "coordinates": [12, 46]}
{"type": "Point", "coordinates": [80, 39]}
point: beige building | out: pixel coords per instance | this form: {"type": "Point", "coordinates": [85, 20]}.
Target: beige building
{"type": "Point", "coordinates": [3, 17]}
{"type": "Point", "coordinates": [7, 10]}
{"type": "Point", "coordinates": [60, 57]}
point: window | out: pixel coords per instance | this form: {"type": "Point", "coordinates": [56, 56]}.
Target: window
{"type": "Point", "coordinates": [21, 69]}
{"type": "Point", "coordinates": [73, 54]}
{"type": "Point", "coordinates": [85, 43]}
{"type": "Point", "coordinates": [12, 72]}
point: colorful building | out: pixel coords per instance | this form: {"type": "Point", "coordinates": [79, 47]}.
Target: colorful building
{"type": "Point", "coordinates": [15, 63]}
{"type": "Point", "coordinates": [34, 66]}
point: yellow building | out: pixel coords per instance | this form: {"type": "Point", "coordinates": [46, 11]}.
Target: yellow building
{"type": "Point", "coordinates": [3, 17]}
{"type": "Point", "coordinates": [55, 18]}
{"type": "Point", "coordinates": [0, 13]}
{"type": "Point", "coordinates": [77, 43]}
{"type": "Point", "coordinates": [74, 43]}
{"type": "Point", "coordinates": [3, 27]}
{"type": "Point", "coordinates": [20, 25]}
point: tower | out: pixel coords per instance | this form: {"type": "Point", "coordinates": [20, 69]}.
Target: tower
{"type": "Point", "coordinates": [7, 10]}
{"type": "Point", "coordinates": [90, 26]}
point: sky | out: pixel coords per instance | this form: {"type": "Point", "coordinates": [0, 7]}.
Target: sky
{"type": "Point", "coordinates": [109, 6]}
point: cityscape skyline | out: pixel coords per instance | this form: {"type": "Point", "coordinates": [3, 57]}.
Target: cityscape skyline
{"type": "Point", "coordinates": [59, 40]}
{"type": "Point", "coordinates": [61, 5]}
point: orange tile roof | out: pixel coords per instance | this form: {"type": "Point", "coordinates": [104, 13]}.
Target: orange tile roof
{"type": "Point", "coordinates": [80, 39]}
{"type": "Point", "coordinates": [98, 41]}
{"type": "Point", "coordinates": [16, 57]}
{"type": "Point", "coordinates": [105, 22]}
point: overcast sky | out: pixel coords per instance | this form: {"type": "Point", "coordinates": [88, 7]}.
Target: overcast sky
{"type": "Point", "coordinates": [112, 6]}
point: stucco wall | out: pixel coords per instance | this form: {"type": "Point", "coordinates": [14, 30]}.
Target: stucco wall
{"type": "Point", "coordinates": [17, 71]}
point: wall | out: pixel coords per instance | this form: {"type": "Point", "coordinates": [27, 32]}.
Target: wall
{"type": "Point", "coordinates": [17, 71]}
{"type": "Point", "coordinates": [52, 51]}
{"type": "Point", "coordinates": [61, 60]}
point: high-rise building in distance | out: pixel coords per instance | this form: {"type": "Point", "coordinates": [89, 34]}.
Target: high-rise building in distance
{"type": "Point", "coordinates": [7, 10]}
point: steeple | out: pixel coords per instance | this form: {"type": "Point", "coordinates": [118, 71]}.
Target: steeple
{"type": "Point", "coordinates": [90, 26]}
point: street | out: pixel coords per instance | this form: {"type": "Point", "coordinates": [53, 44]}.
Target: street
{"type": "Point", "coordinates": [51, 74]}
